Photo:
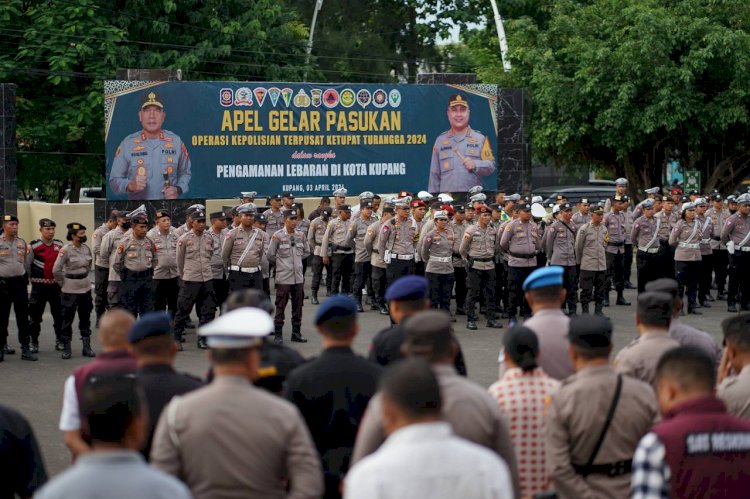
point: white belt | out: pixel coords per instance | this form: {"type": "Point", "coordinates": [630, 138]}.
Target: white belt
{"type": "Point", "coordinates": [441, 259]}
{"type": "Point", "coordinates": [689, 246]}
{"type": "Point", "coordinates": [649, 250]}
{"type": "Point", "coordinates": [705, 241]}
{"type": "Point", "coordinates": [249, 270]}
{"type": "Point", "coordinates": [402, 257]}
{"type": "Point", "coordinates": [744, 248]}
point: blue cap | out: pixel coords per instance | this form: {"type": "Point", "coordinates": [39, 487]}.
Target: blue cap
{"type": "Point", "coordinates": [546, 276]}
{"type": "Point", "coordinates": [150, 324]}
{"type": "Point", "coordinates": [336, 306]}
{"type": "Point", "coordinates": [410, 287]}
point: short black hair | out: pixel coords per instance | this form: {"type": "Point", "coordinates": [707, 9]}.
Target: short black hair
{"type": "Point", "coordinates": [591, 353]}
{"type": "Point", "coordinates": [412, 386]}
{"type": "Point", "coordinates": [546, 293]}
{"type": "Point", "coordinates": [325, 199]}
{"type": "Point", "coordinates": [690, 367]}
{"type": "Point", "coordinates": [737, 331]}
{"type": "Point", "coordinates": [410, 306]}
{"type": "Point", "coordinates": [109, 403]}
{"type": "Point", "coordinates": [375, 196]}
{"type": "Point", "coordinates": [154, 345]}
{"type": "Point", "coordinates": [229, 355]}
{"type": "Point", "coordinates": [248, 297]}
{"type": "Point", "coordinates": [339, 328]}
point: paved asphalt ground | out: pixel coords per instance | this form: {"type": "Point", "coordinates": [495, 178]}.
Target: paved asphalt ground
{"type": "Point", "coordinates": [35, 388]}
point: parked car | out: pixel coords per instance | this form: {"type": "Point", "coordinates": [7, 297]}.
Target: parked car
{"type": "Point", "coordinates": [594, 193]}
{"type": "Point", "coordinates": [86, 195]}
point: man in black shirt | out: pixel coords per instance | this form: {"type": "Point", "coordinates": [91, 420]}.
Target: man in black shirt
{"type": "Point", "coordinates": [333, 390]}
{"type": "Point", "coordinates": [20, 459]}
{"type": "Point", "coordinates": [154, 347]}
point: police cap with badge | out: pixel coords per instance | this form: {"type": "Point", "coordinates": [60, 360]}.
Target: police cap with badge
{"type": "Point", "coordinates": [46, 223]}
{"type": "Point", "coordinates": [151, 99]}
{"type": "Point", "coordinates": [161, 214]}
{"type": "Point", "coordinates": [10, 218]}
{"type": "Point", "coordinates": [291, 213]}
{"type": "Point", "coordinates": [246, 209]}
{"type": "Point", "coordinates": [458, 100]}
{"type": "Point", "coordinates": [138, 216]}
{"type": "Point", "coordinates": [241, 328]}
{"type": "Point", "coordinates": [248, 195]}
{"type": "Point", "coordinates": [340, 193]}
{"type": "Point", "coordinates": [73, 229]}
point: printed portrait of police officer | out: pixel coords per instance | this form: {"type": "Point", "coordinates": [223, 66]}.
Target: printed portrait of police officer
{"type": "Point", "coordinates": [461, 156]}
{"type": "Point", "coordinates": [152, 163]}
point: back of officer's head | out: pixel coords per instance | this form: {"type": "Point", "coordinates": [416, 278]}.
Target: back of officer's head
{"type": "Point", "coordinates": [429, 335]}
{"type": "Point", "coordinates": [590, 339]}
{"type": "Point", "coordinates": [114, 326]}
{"type": "Point", "coordinates": [411, 394]}
{"type": "Point", "coordinates": [114, 408]}
{"type": "Point", "coordinates": [654, 309]}
{"type": "Point", "coordinates": [736, 331]}
{"type": "Point", "coordinates": [254, 298]}
{"type": "Point", "coordinates": [684, 373]}
{"type": "Point", "coordinates": [336, 319]}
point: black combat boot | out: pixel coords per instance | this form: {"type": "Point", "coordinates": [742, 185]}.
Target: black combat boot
{"type": "Point", "coordinates": [585, 308]}
{"type": "Point", "coordinates": [359, 304]}
{"type": "Point", "coordinates": [66, 351]}
{"type": "Point", "coordinates": [8, 350]}
{"type": "Point", "coordinates": [34, 346]}
{"type": "Point", "coordinates": [472, 325]}
{"type": "Point", "coordinates": [494, 323]}
{"type": "Point", "coordinates": [26, 354]}
{"type": "Point", "coordinates": [598, 309]}
{"type": "Point", "coordinates": [384, 310]}
{"type": "Point", "coordinates": [314, 299]}
{"type": "Point", "coordinates": [278, 335]}
{"type": "Point", "coordinates": [87, 351]}
{"type": "Point", "coordinates": [297, 335]}
{"type": "Point", "coordinates": [730, 308]}
{"type": "Point", "coordinates": [59, 346]}
{"type": "Point", "coordinates": [621, 299]}
{"type": "Point", "coordinates": [202, 343]}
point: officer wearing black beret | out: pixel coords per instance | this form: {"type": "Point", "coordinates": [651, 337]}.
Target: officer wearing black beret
{"type": "Point", "coordinates": [44, 289]}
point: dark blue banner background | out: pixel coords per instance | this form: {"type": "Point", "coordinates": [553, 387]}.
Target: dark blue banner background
{"type": "Point", "coordinates": [256, 140]}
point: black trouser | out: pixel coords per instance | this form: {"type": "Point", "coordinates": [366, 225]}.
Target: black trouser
{"type": "Point", "coordinates": [304, 266]}
{"type": "Point", "coordinates": [419, 268]}
{"type": "Point", "coordinates": [721, 267]}
{"type": "Point", "coordinates": [648, 268]}
{"type": "Point", "coordinates": [343, 272]}
{"type": "Point", "coordinates": [200, 294]}
{"type": "Point", "coordinates": [165, 294]}
{"type": "Point", "coordinates": [739, 283]}
{"type": "Point", "coordinates": [593, 287]}
{"type": "Point", "coordinates": [379, 284]}
{"type": "Point", "coordinates": [398, 268]}
{"type": "Point", "coordinates": [460, 279]}
{"type": "Point", "coordinates": [704, 279]}
{"type": "Point", "coordinates": [441, 286]}
{"type": "Point", "coordinates": [627, 262]}
{"type": "Point", "coordinates": [136, 292]}
{"type": "Point", "coordinates": [101, 276]}
{"type": "Point", "coordinates": [316, 267]}
{"type": "Point", "coordinates": [41, 294]}
{"type": "Point", "coordinates": [72, 303]}
{"type": "Point", "coordinates": [501, 283]}
{"type": "Point", "coordinates": [13, 292]}
{"type": "Point", "coordinates": [615, 271]}
{"type": "Point", "coordinates": [688, 274]}
{"type": "Point", "coordinates": [481, 282]}
{"type": "Point", "coordinates": [245, 280]}
{"type": "Point", "coordinates": [666, 254]}
{"type": "Point", "coordinates": [570, 283]}
{"type": "Point", "coordinates": [221, 291]}
{"type": "Point", "coordinates": [283, 293]}
{"type": "Point", "coordinates": [516, 300]}
{"type": "Point", "coordinates": [362, 272]}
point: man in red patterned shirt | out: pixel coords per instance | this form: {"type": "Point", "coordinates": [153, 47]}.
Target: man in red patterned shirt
{"type": "Point", "coordinates": [44, 289]}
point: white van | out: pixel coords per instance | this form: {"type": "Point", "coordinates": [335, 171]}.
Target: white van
{"type": "Point", "coordinates": [87, 195]}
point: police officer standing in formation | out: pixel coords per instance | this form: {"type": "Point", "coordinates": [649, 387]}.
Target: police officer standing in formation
{"type": "Point", "coordinates": [686, 237]}
{"type": "Point", "coordinates": [195, 251]}
{"type": "Point", "coordinates": [108, 254]}
{"type": "Point", "coordinates": [274, 215]}
{"type": "Point", "coordinates": [520, 240]}
{"type": "Point", "coordinates": [101, 266]}
{"type": "Point", "coordinates": [338, 252]}
{"type": "Point", "coordinates": [459, 225]}
{"type": "Point", "coordinates": [243, 250]}
{"type": "Point", "coordinates": [44, 288]}
{"type": "Point", "coordinates": [218, 232]}
{"type": "Point", "coordinates": [560, 248]}
{"type": "Point", "coordinates": [398, 243]}
{"type": "Point", "coordinates": [645, 235]}
{"type": "Point", "coordinates": [437, 252]}
{"type": "Point", "coordinates": [614, 223]}
{"type": "Point", "coordinates": [287, 250]}
{"type": "Point", "coordinates": [13, 275]}
{"type": "Point", "coordinates": [315, 235]}
{"type": "Point", "coordinates": [707, 264]}
{"type": "Point", "coordinates": [736, 236]}
{"type": "Point", "coordinates": [591, 243]}
{"type": "Point", "coordinates": [478, 248]}
{"type": "Point", "coordinates": [71, 271]}
{"type": "Point", "coordinates": [356, 239]}
{"type": "Point", "coordinates": [718, 214]}
{"type": "Point", "coordinates": [165, 268]}
{"type": "Point", "coordinates": [136, 254]}
{"type": "Point", "coordinates": [378, 274]}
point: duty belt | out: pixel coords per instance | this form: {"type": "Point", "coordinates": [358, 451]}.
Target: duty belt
{"type": "Point", "coordinates": [402, 257]}
{"type": "Point", "coordinates": [441, 259]}
{"type": "Point", "coordinates": [744, 248]}
{"type": "Point", "coordinates": [618, 244]}
{"type": "Point", "coordinates": [343, 249]}
{"type": "Point", "coordinates": [138, 273]}
{"type": "Point", "coordinates": [41, 280]}
{"type": "Point", "coordinates": [648, 250]}
{"type": "Point", "coordinates": [690, 246]}
{"type": "Point", "coordinates": [247, 270]}
{"type": "Point", "coordinates": [490, 259]}
{"type": "Point", "coordinates": [513, 254]}
{"type": "Point", "coordinates": [612, 469]}
{"type": "Point", "coordinates": [456, 255]}
{"type": "Point", "coordinates": [76, 276]}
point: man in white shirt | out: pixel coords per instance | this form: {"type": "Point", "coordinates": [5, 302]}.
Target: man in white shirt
{"type": "Point", "coordinates": [422, 457]}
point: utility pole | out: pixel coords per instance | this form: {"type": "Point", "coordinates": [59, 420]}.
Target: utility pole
{"type": "Point", "coordinates": [500, 36]}
{"type": "Point", "coordinates": [318, 5]}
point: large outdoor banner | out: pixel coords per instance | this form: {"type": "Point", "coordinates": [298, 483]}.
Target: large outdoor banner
{"type": "Point", "coordinates": [168, 140]}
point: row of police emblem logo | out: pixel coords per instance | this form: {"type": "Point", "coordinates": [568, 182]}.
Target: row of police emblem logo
{"type": "Point", "coordinates": [316, 97]}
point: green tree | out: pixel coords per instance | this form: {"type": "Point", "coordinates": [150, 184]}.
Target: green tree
{"type": "Point", "coordinates": [630, 84]}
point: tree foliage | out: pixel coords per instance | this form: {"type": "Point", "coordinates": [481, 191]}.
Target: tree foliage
{"type": "Point", "coordinates": [631, 84]}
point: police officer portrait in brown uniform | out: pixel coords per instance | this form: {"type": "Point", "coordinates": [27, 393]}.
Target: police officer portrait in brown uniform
{"type": "Point", "coordinates": [13, 274]}
{"type": "Point", "coordinates": [616, 224]}
{"type": "Point", "coordinates": [194, 253]}
{"type": "Point", "coordinates": [645, 236]}
{"type": "Point", "coordinates": [71, 271]}
{"type": "Point", "coordinates": [287, 250]}
{"type": "Point", "coordinates": [378, 265]}
{"type": "Point", "coordinates": [108, 255]}
{"type": "Point", "coordinates": [136, 255]}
